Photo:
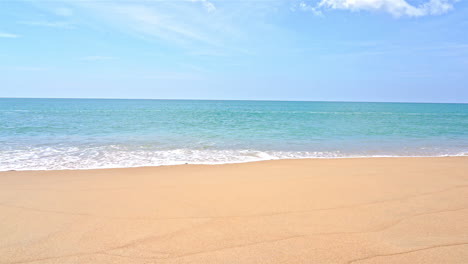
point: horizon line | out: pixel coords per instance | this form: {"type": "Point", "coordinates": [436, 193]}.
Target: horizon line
{"type": "Point", "coordinates": [252, 100]}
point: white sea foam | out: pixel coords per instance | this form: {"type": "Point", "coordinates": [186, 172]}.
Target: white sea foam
{"type": "Point", "coordinates": [113, 156]}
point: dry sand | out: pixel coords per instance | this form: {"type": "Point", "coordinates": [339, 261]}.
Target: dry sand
{"type": "Point", "coordinates": [379, 210]}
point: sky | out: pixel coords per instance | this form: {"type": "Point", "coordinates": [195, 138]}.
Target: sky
{"type": "Point", "coordinates": [322, 50]}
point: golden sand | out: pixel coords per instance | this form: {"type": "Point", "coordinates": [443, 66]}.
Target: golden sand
{"type": "Point", "coordinates": [377, 210]}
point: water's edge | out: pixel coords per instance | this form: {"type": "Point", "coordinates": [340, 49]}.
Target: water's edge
{"type": "Point", "coordinates": [240, 162]}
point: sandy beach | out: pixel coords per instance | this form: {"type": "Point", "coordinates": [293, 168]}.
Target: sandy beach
{"type": "Point", "coordinates": [374, 210]}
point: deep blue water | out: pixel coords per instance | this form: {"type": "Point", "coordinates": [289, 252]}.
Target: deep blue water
{"type": "Point", "coordinates": [99, 133]}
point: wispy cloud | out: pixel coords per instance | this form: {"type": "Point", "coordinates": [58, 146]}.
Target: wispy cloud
{"type": "Point", "coordinates": [55, 24]}
{"type": "Point", "coordinates": [63, 11]}
{"type": "Point", "coordinates": [8, 35]}
{"type": "Point", "coordinates": [24, 68]}
{"type": "Point", "coordinates": [153, 22]}
{"type": "Point", "coordinates": [210, 7]}
{"type": "Point", "coordinates": [396, 8]}
{"type": "Point", "coordinates": [97, 58]}
{"type": "Point", "coordinates": [173, 76]}
{"type": "Point", "coordinates": [186, 24]}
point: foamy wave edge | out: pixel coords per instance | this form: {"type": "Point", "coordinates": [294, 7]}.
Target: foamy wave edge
{"type": "Point", "coordinates": [135, 160]}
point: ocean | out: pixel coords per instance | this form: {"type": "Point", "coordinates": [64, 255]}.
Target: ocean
{"type": "Point", "coordinates": [52, 134]}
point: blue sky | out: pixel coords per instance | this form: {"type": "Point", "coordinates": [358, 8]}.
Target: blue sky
{"type": "Point", "coordinates": [339, 50]}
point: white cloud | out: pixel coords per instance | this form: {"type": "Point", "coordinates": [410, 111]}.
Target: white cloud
{"type": "Point", "coordinates": [305, 7]}
{"type": "Point", "coordinates": [395, 7]}
{"type": "Point", "coordinates": [96, 58]}
{"type": "Point", "coordinates": [8, 35]}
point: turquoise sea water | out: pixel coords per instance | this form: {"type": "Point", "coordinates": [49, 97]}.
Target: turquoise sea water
{"type": "Point", "coordinates": [95, 133]}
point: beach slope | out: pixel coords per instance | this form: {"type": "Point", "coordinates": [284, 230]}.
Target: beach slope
{"type": "Point", "coordinates": [371, 210]}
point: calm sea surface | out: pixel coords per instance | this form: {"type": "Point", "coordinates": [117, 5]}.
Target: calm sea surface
{"type": "Point", "coordinates": [94, 133]}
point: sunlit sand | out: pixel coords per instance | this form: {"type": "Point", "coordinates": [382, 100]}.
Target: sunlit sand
{"type": "Point", "coordinates": [376, 210]}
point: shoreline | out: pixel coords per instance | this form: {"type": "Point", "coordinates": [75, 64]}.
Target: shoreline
{"type": "Point", "coordinates": [360, 211]}
{"type": "Point", "coordinates": [242, 162]}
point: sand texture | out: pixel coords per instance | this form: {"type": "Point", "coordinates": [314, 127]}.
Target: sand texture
{"type": "Point", "coordinates": [376, 210]}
